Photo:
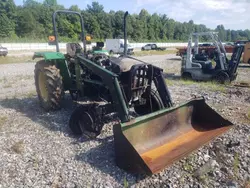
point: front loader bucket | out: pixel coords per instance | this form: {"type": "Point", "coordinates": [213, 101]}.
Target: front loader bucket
{"type": "Point", "coordinates": [150, 143]}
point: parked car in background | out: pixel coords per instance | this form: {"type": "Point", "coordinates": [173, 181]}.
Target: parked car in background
{"type": "Point", "coordinates": [3, 51]}
{"type": "Point", "coordinates": [152, 47]}
{"type": "Point", "coordinates": [241, 42]}
{"type": "Point", "coordinates": [206, 45]}
{"type": "Point", "coordinates": [229, 44]}
{"type": "Point", "coordinates": [116, 46]}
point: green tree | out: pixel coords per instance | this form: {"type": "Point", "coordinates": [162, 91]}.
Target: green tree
{"type": "Point", "coordinates": [7, 26]}
{"type": "Point", "coordinates": [33, 20]}
{"type": "Point", "coordinates": [50, 3]}
{"type": "Point", "coordinates": [229, 35]}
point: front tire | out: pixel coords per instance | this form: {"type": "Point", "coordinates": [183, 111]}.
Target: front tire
{"type": "Point", "coordinates": [85, 121]}
{"type": "Point", "coordinates": [49, 85]}
{"type": "Point", "coordinates": [149, 107]}
{"type": "Point", "coordinates": [222, 78]}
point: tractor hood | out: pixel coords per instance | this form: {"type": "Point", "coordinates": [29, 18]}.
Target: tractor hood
{"type": "Point", "coordinates": [124, 64]}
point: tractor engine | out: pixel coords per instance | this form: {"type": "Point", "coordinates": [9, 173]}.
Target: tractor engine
{"type": "Point", "coordinates": [133, 76]}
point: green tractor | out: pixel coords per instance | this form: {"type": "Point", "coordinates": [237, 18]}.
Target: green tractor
{"type": "Point", "coordinates": [152, 133]}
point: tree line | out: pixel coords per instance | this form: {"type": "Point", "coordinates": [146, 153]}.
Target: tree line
{"type": "Point", "coordinates": [33, 22]}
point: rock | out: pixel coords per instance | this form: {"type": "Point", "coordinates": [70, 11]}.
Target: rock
{"type": "Point", "coordinates": [206, 158]}
{"type": "Point", "coordinates": [108, 185]}
{"type": "Point", "coordinates": [70, 185]}
{"type": "Point", "coordinates": [214, 164]}
{"type": "Point", "coordinates": [224, 169]}
{"type": "Point", "coordinates": [232, 184]}
{"type": "Point", "coordinates": [218, 173]}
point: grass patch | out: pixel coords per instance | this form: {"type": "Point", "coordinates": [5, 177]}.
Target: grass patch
{"type": "Point", "coordinates": [248, 113]}
{"type": "Point", "coordinates": [236, 164]}
{"type": "Point", "coordinates": [18, 147]}
{"type": "Point", "coordinates": [13, 59]}
{"type": "Point", "coordinates": [188, 82]}
{"type": "Point", "coordinates": [188, 167]}
{"type": "Point", "coordinates": [23, 77]}
{"type": "Point", "coordinates": [170, 82]}
{"type": "Point", "coordinates": [154, 52]}
{"type": "Point", "coordinates": [3, 120]}
{"type": "Point", "coordinates": [125, 182]}
{"type": "Point", "coordinates": [7, 85]}
{"type": "Point", "coordinates": [31, 94]}
{"type": "Point", "coordinates": [4, 79]}
{"type": "Point", "coordinates": [211, 86]}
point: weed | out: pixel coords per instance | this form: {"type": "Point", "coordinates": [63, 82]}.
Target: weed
{"type": "Point", "coordinates": [18, 147]}
{"type": "Point", "coordinates": [188, 167]}
{"type": "Point", "coordinates": [125, 182]}
{"type": "Point", "coordinates": [3, 120]}
{"type": "Point", "coordinates": [204, 179]}
{"type": "Point", "coordinates": [188, 82]}
{"type": "Point", "coordinates": [236, 164]}
{"type": "Point", "coordinates": [248, 113]}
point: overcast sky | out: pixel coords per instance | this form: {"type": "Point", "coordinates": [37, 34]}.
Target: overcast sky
{"type": "Point", "coordinates": [233, 14]}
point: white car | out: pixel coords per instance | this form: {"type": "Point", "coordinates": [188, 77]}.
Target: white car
{"type": "Point", "coordinates": [3, 51]}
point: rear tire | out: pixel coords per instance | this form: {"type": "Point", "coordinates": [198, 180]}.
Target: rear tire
{"type": "Point", "coordinates": [49, 85]}
{"type": "Point", "coordinates": [156, 102]}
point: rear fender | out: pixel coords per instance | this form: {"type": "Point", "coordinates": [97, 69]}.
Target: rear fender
{"type": "Point", "coordinates": [57, 59]}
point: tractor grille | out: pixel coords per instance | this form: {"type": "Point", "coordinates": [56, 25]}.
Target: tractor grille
{"type": "Point", "coordinates": [139, 80]}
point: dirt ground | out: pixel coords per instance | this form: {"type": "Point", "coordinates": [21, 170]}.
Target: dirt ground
{"type": "Point", "coordinates": [39, 150]}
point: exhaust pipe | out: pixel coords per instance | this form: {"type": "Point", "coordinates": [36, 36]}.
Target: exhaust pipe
{"type": "Point", "coordinates": [125, 33]}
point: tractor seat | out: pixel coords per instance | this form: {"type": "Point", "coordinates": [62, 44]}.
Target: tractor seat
{"type": "Point", "coordinates": [73, 49]}
{"type": "Point", "coordinates": [206, 65]}
{"type": "Point", "coordinates": [201, 57]}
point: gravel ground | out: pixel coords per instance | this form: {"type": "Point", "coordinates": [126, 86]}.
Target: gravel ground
{"type": "Point", "coordinates": [38, 149]}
